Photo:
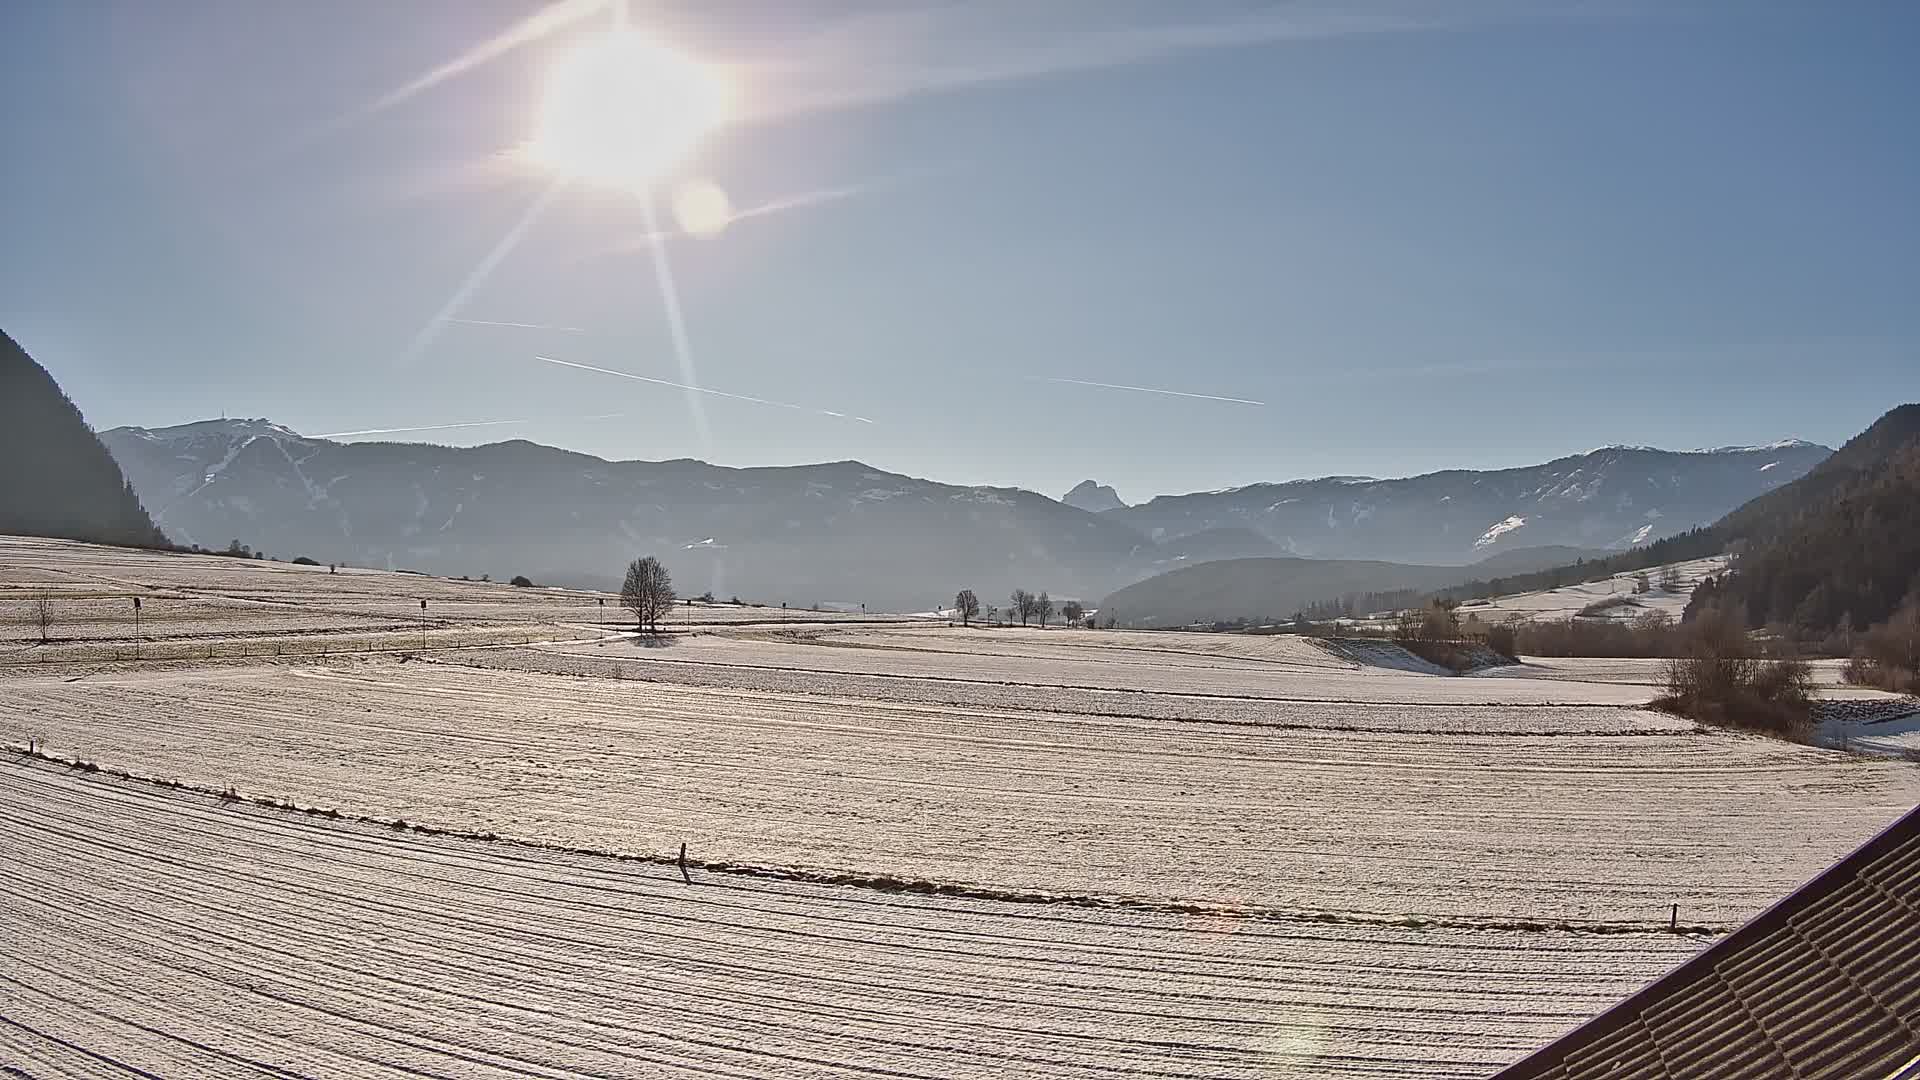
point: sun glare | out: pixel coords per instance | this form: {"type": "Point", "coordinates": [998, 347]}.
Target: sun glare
{"type": "Point", "coordinates": [622, 109]}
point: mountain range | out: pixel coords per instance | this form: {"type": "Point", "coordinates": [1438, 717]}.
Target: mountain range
{"type": "Point", "coordinates": [1611, 497]}
{"type": "Point", "coordinates": [847, 533]}
{"type": "Point", "coordinates": [1833, 552]}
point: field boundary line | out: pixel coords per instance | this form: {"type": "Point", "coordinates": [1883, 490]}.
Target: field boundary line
{"type": "Point", "coordinates": [885, 883]}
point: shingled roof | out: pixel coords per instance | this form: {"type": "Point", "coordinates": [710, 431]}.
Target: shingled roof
{"type": "Point", "coordinates": [1826, 983]}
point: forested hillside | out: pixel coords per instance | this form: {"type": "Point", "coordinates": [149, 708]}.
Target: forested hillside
{"type": "Point", "coordinates": [58, 480]}
{"type": "Point", "coordinates": [1838, 549]}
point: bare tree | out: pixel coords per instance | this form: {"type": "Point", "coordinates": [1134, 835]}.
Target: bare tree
{"type": "Point", "coordinates": [967, 606]}
{"type": "Point", "coordinates": [1043, 608]}
{"type": "Point", "coordinates": [647, 592]}
{"type": "Point", "coordinates": [1670, 579]}
{"type": "Point", "coordinates": [1021, 604]}
{"type": "Point", "coordinates": [42, 615]}
{"type": "Point", "coordinates": [1072, 611]}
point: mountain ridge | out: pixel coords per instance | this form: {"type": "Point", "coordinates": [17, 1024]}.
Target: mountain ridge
{"type": "Point", "coordinates": [60, 481]}
{"type": "Point", "coordinates": [822, 532]}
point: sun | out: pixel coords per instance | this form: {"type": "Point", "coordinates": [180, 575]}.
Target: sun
{"type": "Point", "coordinates": [622, 109]}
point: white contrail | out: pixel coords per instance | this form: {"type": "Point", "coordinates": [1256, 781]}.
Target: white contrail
{"type": "Point", "coordinates": [1031, 55]}
{"type": "Point", "coordinates": [704, 390]}
{"type": "Point", "coordinates": [676, 326]}
{"type": "Point", "coordinates": [466, 424]}
{"type": "Point", "coordinates": [525, 32]}
{"type": "Point", "coordinates": [804, 199]}
{"type": "Point", "coordinates": [521, 325]}
{"type": "Point", "coordinates": [424, 427]}
{"type": "Point", "coordinates": [653, 237]}
{"type": "Point", "coordinates": [1148, 390]}
{"type": "Point", "coordinates": [480, 272]}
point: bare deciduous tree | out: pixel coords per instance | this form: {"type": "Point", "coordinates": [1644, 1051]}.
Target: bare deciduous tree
{"type": "Point", "coordinates": [967, 606]}
{"type": "Point", "coordinates": [1021, 604]}
{"type": "Point", "coordinates": [1072, 611]}
{"type": "Point", "coordinates": [1043, 608]}
{"type": "Point", "coordinates": [42, 615]}
{"type": "Point", "coordinates": [647, 592]}
{"type": "Point", "coordinates": [1670, 580]}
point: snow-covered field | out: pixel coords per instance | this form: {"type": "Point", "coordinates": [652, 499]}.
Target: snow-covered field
{"type": "Point", "coordinates": [200, 607]}
{"type": "Point", "coordinates": [1570, 600]}
{"type": "Point", "coordinates": [1323, 815]}
{"type": "Point", "coordinates": [955, 852]}
{"type": "Point", "coordinates": [1153, 668]}
{"type": "Point", "coordinates": [170, 933]}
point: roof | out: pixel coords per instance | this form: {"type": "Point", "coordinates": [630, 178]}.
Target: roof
{"type": "Point", "coordinates": [1826, 983]}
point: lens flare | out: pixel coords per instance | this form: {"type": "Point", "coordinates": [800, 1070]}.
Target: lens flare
{"type": "Point", "coordinates": [702, 208]}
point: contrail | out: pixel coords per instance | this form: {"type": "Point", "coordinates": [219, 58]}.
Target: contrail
{"type": "Point", "coordinates": [1035, 55]}
{"type": "Point", "coordinates": [480, 272]}
{"type": "Point", "coordinates": [526, 31]}
{"type": "Point", "coordinates": [804, 199]}
{"type": "Point", "coordinates": [425, 427]}
{"type": "Point", "coordinates": [654, 236]}
{"type": "Point", "coordinates": [691, 389]}
{"type": "Point", "coordinates": [676, 325]}
{"type": "Point", "coordinates": [1148, 390]}
{"type": "Point", "coordinates": [446, 427]}
{"type": "Point", "coordinates": [521, 325]}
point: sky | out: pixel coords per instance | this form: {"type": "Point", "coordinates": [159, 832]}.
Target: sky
{"type": "Point", "coordinates": [1355, 238]}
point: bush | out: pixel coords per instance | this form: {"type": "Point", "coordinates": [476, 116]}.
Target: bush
{"type": "Point", "coordinates": [1651, 634]}
{"type": "Point", "coordinates": [1504, 639]}
{"type": "Point", "coordinates": [1435, 622]}
{"type": "Point", "coordinates": [1721, 679]}
{"type": "Point", "coordinates": [1608, 603]}
{"type": "Point", "coordinates": [522, 581]}
{"type": "Point", "coordinates": [302, 560]}
{"type": "Point", "coordinates": [1888, 655]}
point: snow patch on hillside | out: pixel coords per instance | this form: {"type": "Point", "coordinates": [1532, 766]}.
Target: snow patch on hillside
{"type": "Point", "coordinates": [1493, 535]}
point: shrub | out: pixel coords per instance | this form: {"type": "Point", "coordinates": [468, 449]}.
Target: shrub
{"type": "Point", "coordinates": [1435, 622]}
{"type": "Point", "coordinates": [302, 560]}
{"type": "Point", "coordinates": [1650, 634]}
{"type": "Point", "coordinates": [1503, 639]}
{"type": "Point", "coordinates": [1608, 603]}
{"type": "Point", "coordinates": [1888, 655]}
{"type": "Point", "coordinates": [1721, 679]}
{"type": "Point", "coordinates": [522, 581]}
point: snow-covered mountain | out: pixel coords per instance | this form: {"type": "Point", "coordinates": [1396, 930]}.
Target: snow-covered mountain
{"type": "Point", "coordinates": [1610, 497]}
{"type": "Point", "coordinates": [840, 532]}
{"type": "Point", "coordinates": [1093, 498]}
{"type": "Point", "coordinates": [845, 532]}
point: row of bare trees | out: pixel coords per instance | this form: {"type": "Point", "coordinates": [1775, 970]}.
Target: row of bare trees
{"type": "Point", "coordinates": [1023, 605]}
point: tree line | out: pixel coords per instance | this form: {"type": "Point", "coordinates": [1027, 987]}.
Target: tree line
{"type": "Point", "coordinates": [1021, 604]}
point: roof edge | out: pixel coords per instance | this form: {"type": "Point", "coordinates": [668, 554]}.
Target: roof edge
{"type": "Point", "coordinates": [1555, 1052]}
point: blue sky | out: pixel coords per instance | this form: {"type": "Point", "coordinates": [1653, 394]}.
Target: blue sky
{"type": "Point", "coordinates": [1423, 235]}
